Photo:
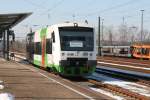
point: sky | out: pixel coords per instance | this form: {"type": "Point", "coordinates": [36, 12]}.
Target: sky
{"type": "Point", "coordinates": [49, 12]}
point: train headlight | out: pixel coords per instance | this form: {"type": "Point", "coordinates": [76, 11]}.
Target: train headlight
{"type": "Point", "coordinates": [70, 54]}
{"type": "Point", "coordinates": [90, 54]}
{"type": "Point", "coordinates": [62, 54]}
{"type": "Point", "coordinates": [85, 54]}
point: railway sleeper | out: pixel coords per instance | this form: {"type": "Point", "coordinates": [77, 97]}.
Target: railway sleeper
{"type": "Point", "coordinates": [125, 77]}
{"type": "Point", "coordinates": [119, 90]}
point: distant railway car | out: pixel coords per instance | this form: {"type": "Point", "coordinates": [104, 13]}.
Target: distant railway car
{"type": "Point", "coordinates": [121, 51]}
{"type": "Point", "coordinates": [68, 49]}
{"type": "Point", "coordinates": [141, 51]}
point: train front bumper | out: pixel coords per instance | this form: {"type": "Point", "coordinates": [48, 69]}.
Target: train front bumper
{"type": "Point", "coordinates": [77, 69]}
{"type": "Point", "coordinates": [88, 63]}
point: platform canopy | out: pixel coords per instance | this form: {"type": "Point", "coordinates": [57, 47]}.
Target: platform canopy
{"type": "Point", "coordinates": [8, 21]}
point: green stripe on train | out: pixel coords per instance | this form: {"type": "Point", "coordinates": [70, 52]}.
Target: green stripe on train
{"type": "Point", "coordinates": [36, 62]}
{"type": "Point", "coordinates": [43, 32]}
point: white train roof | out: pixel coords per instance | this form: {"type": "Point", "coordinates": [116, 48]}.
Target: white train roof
{"type": "Point", "coordinates": [67, 24]}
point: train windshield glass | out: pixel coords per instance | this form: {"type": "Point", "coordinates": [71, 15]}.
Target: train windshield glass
{"type": "Point", "coordinates": [76, 38]}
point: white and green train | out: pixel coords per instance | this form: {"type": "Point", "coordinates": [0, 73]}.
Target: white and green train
{"type": "Point", "coordinates": [68, 49]}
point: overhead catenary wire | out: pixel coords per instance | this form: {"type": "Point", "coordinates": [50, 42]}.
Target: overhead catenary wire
{"type": "Point", "coordinates": [39, 6]}
{"type": "Point", "coordinates": [53, 7]}
{"type": "Point", "coordinates": [49, 11]}
{"type": "Point", "coordinates": [44, 8]}
{"type": "Point", "coordinates": [111, 8]}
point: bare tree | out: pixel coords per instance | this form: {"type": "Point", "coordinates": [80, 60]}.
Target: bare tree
{"type": "Point", "coordinates": [123, 34]}
{"type": "Point", "coordinates": [110, 35]}
{"type": "Point", "coordinates": [18, 46]}
{"type": "Point", "coordinates": [132, 32]}
{"type": "Point", "coordinates": [146, 36]}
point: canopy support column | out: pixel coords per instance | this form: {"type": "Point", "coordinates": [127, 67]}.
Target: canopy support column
{"type": "Point", "coordinates": [8, 44]}
{"type": "Point", "coordinates": [4, 43]}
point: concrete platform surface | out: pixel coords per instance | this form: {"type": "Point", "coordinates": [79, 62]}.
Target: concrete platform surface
{"type": "Point", "coordinates": [26, 83]}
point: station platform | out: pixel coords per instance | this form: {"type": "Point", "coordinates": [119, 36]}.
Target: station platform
{"type": "Point", "coordinates": [25, 82]}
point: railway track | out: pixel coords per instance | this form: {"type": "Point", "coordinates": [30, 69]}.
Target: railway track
{"type": "Point", "coordinates": [118, 90]}
{"type": "Point", "coordinates": [126, 63]}
{"type": "Point", "coordinates": [124, 76]}
{"type": "Point", "coordinates": [130, 61]}
{"type": "Point", "coordinates": [115, 89]}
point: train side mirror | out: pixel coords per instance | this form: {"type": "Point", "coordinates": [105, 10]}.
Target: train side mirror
{"type": "Point", "coordinates": [53, 37]}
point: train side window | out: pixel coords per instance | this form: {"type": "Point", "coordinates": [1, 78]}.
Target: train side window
{"type": "Point", "coordinates": [131, 50]}
{"type": "Point", "coordinates": [138, 51]}
{"type": "Point", "coordinates": [53, 37]}
{"type": "Point", "coordinates": [122, 51]}
{"type": "Point", "coordinates": [147, 51]}
{"type": "Point", "coordinates": [49, 46]}
{"type": "Point", "coordinates": [37, 48]}
{"type": "Point", "coordinates": [144, 51]}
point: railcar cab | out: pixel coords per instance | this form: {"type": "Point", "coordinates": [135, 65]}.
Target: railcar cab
{"type": "Point", "coordinates": [71, 48]}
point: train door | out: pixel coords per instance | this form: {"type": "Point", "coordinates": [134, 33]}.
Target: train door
{"type": "Point", "coordinates": [145, 53]}
{"type": "Point", "coordinates": [37, 48]}
{"type": "Point", "coordinates": [49, 49]}
{"type": "Point", "coordinates": [131, 50]}
{"type": "Point", "coordinates": [135, 51]}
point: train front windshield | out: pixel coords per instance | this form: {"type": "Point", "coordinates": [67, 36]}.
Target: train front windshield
{"type": "Point", "coordinates": [76, 38]}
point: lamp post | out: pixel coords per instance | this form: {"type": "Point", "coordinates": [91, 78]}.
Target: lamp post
{"type": "Point", "coordinates": [99, 35]}
{"type": "Point", "coordinates": [102, 31]}
{"type": "Point", "coordinates": [142, 13]}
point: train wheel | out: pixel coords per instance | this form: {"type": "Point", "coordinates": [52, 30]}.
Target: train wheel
{"type": "Point", "coordinates": [48, 69]}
